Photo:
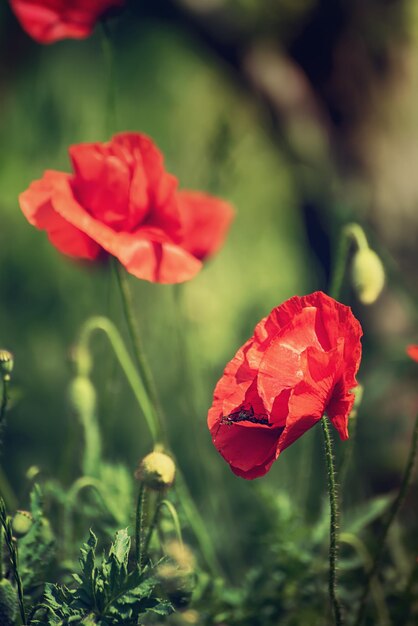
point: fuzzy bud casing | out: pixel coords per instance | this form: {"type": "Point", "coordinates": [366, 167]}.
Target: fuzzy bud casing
{"type": "Point", "coordinates": [157, 471]}
{"type": "Point", "coordinates": [367, 275]}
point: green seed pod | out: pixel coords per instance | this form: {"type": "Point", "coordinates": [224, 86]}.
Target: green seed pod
{"type": "Point", "coordinates": [22, 523]}
{"type": "Point", "coordinates": [157, 471]}
{"type": "Point", "coordinates": [82, 395]}
{"type": "Point", "coordinates": [6, 363]}
{"type": "Point", "coordinates": [8, 603]}
{"type": "Point", "coordinates": [367, 275]}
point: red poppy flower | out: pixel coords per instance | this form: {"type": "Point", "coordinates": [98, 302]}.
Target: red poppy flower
{"type": "Point", "coordinates": [122, 202]}
{"type": "Point", "coordinates": [300, 363]}
{"type": "Point", "coordinates": [412, 351]}
{"type": "Point", "coordinates": [47, 21]}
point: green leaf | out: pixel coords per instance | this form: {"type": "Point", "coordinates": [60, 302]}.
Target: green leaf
{"type": "Point", "coordinates": [121, 547]}
{"type": "Point", "coordinates": [358, 518]}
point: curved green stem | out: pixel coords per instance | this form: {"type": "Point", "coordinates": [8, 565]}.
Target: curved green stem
{"type": "Point", "coordinates": [333, 502]}
{"type": "Point", "coordinates": [406, 480]}
{"type": "Point", "coordinates": [350, 233]}
{"type": "Point", "coordinates": [140, 359]}
{"type": "Point", "coordinates": [141, 395]}
{"type": "Point", "coordinates": [173, 513]}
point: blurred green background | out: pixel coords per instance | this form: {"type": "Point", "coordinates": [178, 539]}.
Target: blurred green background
{"type": "Point", "coordinates": [303, 115]}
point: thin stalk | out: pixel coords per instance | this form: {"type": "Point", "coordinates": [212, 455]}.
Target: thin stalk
{"type": "Point", "coordinates": [108, 55]}
{"type": "Point", "coordinates": [140, 521]}
{"type": "Point", "coordinates": [334, 515]}
{"type": "Point", "coordinates": [406, 480]}
{"type": "Point", "coordinates": [350, 233]}
{"type": "Point", "coordinates": [152, 526]}
{"type": "Point", "coordinates": [135, 381]}
{"type": "Point", "coordinates": [13, 555]}
{"type": "Point", "coordinates": [139, 355]}
{"type": "Point", "coordinates": [189, 506]}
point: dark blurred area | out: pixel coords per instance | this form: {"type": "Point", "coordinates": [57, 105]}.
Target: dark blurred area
{"type": "Point", "coordinates": [303, 114]}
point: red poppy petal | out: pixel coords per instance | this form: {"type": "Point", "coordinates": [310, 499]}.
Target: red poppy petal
{"type": "Point", "coordinates": [294, 430]}
{"type": "Point", "coordinates": [310, 397]}
{"type": "Point", "coordinates": [150, 260]}
{"type": "Point", "coordinates": [48, 21]}
{"type": "Point", "coordinates": [161, 184]}
{"type": "Point", "coordinates": [206, 220]}
{"type": "Point", "coordinates": [36, 205]}
{"type": "Point", "coordinates": [338, 411]}
{"type": "Point", "coordinates": [300, 363]}
{"type": "Point", "coordinates": [110, 188]}
{"type": "Point", "coordinates": [249, 450]}
{"type": "Point", "coordinates": [412, 351]}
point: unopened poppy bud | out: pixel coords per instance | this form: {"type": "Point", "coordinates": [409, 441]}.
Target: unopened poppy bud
{"type": "Point", "coordinates": [82, 395]}
{"type": "Point", "coordinates": [8, 603]}
{"type": "Point", "coordinates": [33, 472]}
{"type": "Point", "coordinates": [6, 363]}
{"type": "Point", "coordinates": [368, 275]}
{"type": "Point", "coordinates": [22, 523]}
{"type": "Point", "coordinates": [156, 471]}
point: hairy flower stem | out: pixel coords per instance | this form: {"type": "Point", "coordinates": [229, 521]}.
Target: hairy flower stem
{"type": "Point", "coordinates": [350, 233]}
{"type": "Point", "coordinates": [140, 523]}
{"type": "Point", "coordinates": [397, 504]}
{"type": "Point", "coordinates": [140, 359]}
{"type": "Point", "coordinates": [14, 561]}
{"type": "Point", "coordinates": [333, 502]}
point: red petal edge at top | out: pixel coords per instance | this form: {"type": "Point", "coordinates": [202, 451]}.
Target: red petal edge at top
{"type": "Point", "coordinates": [300, 363]}
{"type": "Point", "coordinates": [48, 21]}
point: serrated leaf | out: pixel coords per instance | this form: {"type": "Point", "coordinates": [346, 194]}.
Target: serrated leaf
{"type": "Point", "coordinates": [121, 546]}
